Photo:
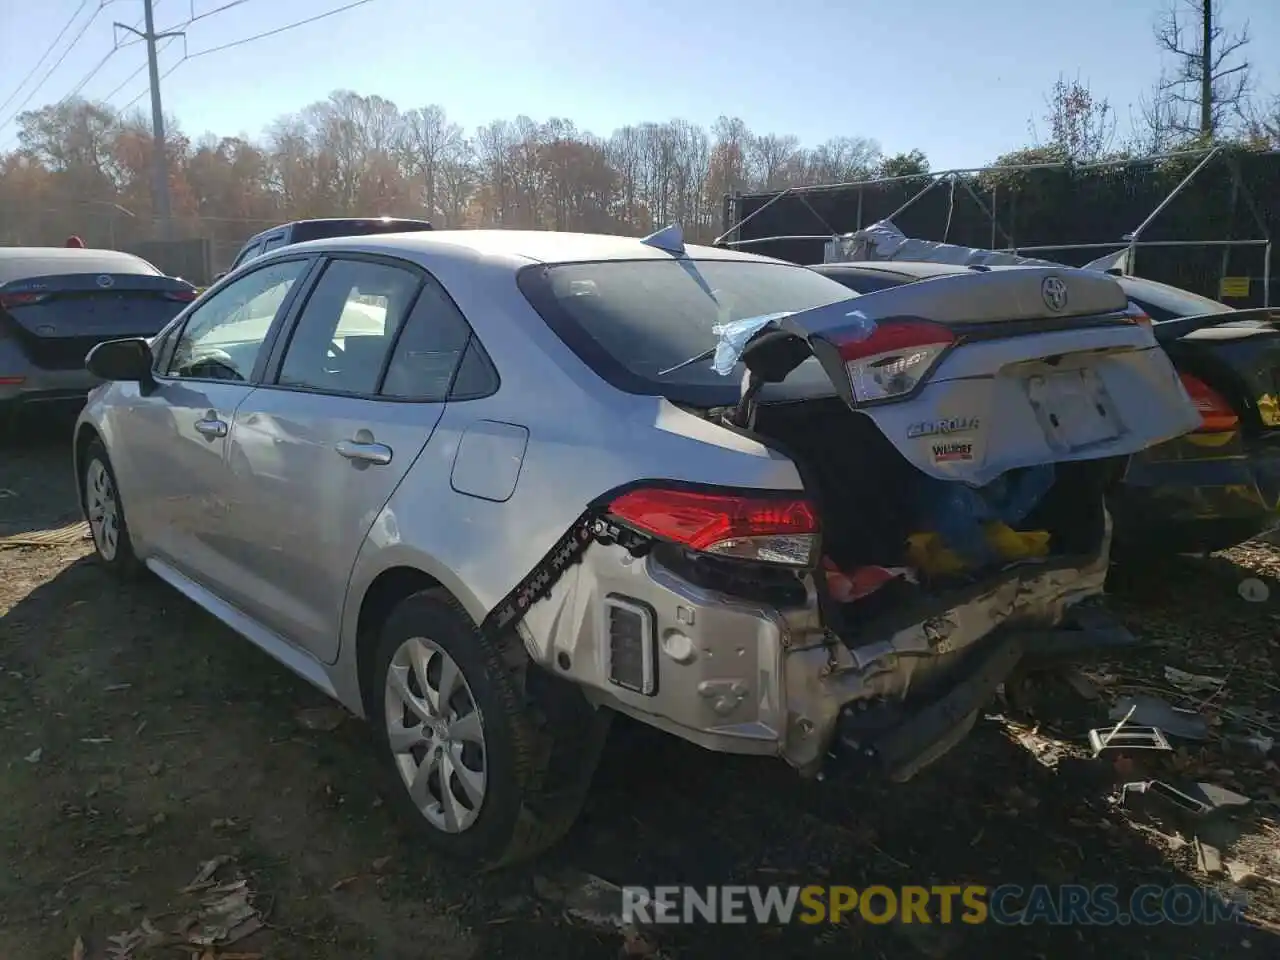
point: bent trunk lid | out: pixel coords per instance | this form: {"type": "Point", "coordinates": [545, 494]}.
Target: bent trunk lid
{"type": "Point", "coordinates": [1044, 365]}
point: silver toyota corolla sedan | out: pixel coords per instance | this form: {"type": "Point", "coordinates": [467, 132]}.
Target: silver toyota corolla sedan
{"type": "Point", "coordinates": [488, 488]}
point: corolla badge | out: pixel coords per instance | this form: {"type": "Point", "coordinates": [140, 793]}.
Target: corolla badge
{"type": "Point", "coordinates": [1054, 292]}
{"type": "Point", "coordinates": [105, 281]}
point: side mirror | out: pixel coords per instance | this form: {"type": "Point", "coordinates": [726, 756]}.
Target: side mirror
{"type": "Point", "coordinates": [127, 361]}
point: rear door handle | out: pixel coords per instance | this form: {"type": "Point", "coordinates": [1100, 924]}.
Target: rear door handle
{"type": "Point", "coordinates": [378, 453]}
{"type": "Point", "coordinates": [211, 428]}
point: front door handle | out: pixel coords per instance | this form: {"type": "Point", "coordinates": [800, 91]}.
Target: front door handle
{"type": "Point", "coordinates": [378, 453]}
{"type": "Point", "coordinates": [211, 428]}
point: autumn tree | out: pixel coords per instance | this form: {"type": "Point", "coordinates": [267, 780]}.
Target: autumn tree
{"type": "Point", "coordinates": [1081, 125]}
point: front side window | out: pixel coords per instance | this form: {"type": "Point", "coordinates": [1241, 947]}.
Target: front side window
{"type": "Point", "coordinates": [348, 326]}
{"type": "Point", "coordinates": [224, 335]}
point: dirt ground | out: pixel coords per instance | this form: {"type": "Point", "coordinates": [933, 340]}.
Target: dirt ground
{"type": "Point", "coordinates": [139, 738]}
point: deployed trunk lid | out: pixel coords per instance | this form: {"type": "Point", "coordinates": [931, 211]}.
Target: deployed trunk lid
{"type": "Point", "coordinates": [61, 317]}
{"type": "Point", "coordinates": [973, 375]}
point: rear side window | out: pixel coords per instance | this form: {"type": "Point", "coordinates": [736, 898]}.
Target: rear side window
{"type": "Point", "coordinates": [271, 243]}
{"type": "Point", "coordinates": [632, 321]}
{"type": "Point", "coordinates": [435, 340]}
{"type": "Point", "coordinates": [247, 254]}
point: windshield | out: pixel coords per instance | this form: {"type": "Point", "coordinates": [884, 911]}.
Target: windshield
{"type": "Point", "coordinates": [1163, 302]}
{"type": "Point", "coordinates": [634, 320]}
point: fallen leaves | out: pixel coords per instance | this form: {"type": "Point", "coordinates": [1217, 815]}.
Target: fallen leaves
{"type": "Point", "coordinates": [225, 915]}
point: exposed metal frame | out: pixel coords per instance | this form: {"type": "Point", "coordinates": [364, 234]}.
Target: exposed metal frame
{"type": "Point", "coordinates": [1130, 241]}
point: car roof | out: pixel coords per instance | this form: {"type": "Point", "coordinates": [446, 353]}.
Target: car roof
{"type": "Point", "coordinates": [518, 248]}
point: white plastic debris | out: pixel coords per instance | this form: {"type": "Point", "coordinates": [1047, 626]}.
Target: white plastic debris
{"type": "Point", "coordinates": [1254, 590]}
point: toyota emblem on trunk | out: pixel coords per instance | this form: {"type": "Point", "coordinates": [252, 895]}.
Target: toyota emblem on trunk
{"type": "Point", "coordinates": [105, 281]}
{"type": "Point", "coordinates": [1054, 292]}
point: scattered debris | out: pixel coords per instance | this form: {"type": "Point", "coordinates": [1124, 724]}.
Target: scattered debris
{"type": "Point", "coordinates": [379, 865]}
{"type": "Point", "coordinates": [204, 875]}
{"type": "Point", "coordinates": [117, 687]}
{"type": "Point", "coordinates": [1193, 682]}
{"type": "Point", "coordinates": [585, 897]}
{"type": "Point", "coordinates": [1154, 712]}
{"type": "Point", "coordinates": [35, 755]}
{"type": "Point", "coordinates": [227, 917]}
{"type": "Point", "coordinates": [1208, 858]}
{"type": "Point", "coordinates": [1130, 738]}
{"type": "Point", "coordinates": [77, 949]}
{"type": "Point", "coordinates": [320, 719]}
{"type": "Point", "coordinates": [1254, 590]}
{"type": "Point", "coordinates": [1080, 683]}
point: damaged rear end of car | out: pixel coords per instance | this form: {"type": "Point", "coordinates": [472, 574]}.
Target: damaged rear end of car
{"type": "Point", "coordinates": [954, 441]}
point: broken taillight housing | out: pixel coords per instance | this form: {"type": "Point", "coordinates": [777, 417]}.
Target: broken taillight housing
{"type": "Point", "coordinates": [767, 529]}
{"type": "Point", "coordinates": [895, 359]}
{"type": "Point", "coordinates": [1216, 414]}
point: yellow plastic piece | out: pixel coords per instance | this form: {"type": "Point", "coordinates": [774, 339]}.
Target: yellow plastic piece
{"type": "Point", "coordinates": [927, 553]}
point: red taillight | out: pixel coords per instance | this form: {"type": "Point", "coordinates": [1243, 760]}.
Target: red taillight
{"type": "Point", "coordinates": [894, 359]}
{"type": "Point", "coordinates": [182, 296]}
{"type": "Point", "coordinates": [10, 300]}
{"type": "Point", "coordinates": [1216, 414]}
{"type": "Point", "coordinates": [768, 529]}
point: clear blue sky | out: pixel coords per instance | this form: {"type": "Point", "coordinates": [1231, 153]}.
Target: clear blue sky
{"type": "Point", "coordinates": [959, 81]}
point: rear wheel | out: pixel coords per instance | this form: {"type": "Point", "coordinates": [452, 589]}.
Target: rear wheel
{"type": "Point", "coordinates": [105, 512]}
{"type": "Point", "coordinates": [489, 774]}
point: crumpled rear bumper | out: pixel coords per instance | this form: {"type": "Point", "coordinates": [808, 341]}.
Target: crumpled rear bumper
{"type": "Point", "coordinates": [745, 677]}
{"type": "Point", "coordinates": [901, 746]}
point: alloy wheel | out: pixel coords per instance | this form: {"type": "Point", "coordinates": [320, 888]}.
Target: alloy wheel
{"type": "Point", "coordinates": [103, 509]}
{"type": "Point", "coordinates": [436, 733]}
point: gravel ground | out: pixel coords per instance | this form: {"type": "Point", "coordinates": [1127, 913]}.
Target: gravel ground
{"type": "Point", "coordinates": [142, 739]}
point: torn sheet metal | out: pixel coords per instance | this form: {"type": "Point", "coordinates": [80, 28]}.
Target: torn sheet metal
{"type": "Point", "coordinates": [884, 241]}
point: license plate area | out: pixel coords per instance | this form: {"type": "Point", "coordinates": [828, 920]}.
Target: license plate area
{"type": "Point", "coordinates": [1074, 409]}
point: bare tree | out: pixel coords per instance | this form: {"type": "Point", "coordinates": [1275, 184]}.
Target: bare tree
{"type": "Point", "coordinates": [1210, 82]}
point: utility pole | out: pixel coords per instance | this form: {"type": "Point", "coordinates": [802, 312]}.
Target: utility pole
{"type": "Point", "coordinates": [1206, 67]}
{"type": "Point", "coordinates": [160, 162]}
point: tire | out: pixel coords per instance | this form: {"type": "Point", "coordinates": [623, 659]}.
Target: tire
{"type": "Point", "coordinates": [518, 773]}
{"type": "Point", "coordinates": [105, 513]}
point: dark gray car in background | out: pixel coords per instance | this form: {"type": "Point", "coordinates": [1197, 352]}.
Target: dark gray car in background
{"type": "Point", "coordinates": [58, 303]}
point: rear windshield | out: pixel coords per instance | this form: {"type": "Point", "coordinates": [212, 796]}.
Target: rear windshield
{"type": "Point", "coordinates": [1163, 302]}
{"type": "Point", "coordinates": [18, 265]}
{"type": "Point", "coordinates": [631, 320]}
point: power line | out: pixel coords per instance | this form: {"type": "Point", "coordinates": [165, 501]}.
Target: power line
{"type": "Point", "coordinates": [272, 33]}
{"type": "Point", "coordinates": [45, 56]}
{"type": "Point", "coordinates": [196, 19]}
{"type": "Point", "coordinates": [131, 77]}
{"type": "Point", "coordinates": [36, 89]}
{"type": "Point", "coordinates": [147, 89]}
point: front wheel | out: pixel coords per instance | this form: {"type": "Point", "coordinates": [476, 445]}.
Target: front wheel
{"type": "Point", "coordinates": [105, 513]}
{"type": "Point", "coordinates": [489, 772]}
